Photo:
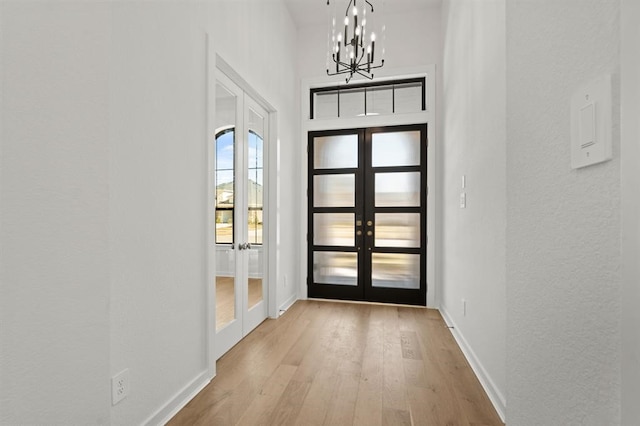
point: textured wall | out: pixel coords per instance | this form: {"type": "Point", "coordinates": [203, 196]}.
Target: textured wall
{"type": "Point", "coordinates": [563, 225]}
{"type": "Point", "coordinates": [158, 169]}
{"type": "Point", "coordinates": [54, 269]}
{"type": "Point", "coordinates": [630, 152]}
{"type": "Point", "coordinates": [474, 144]}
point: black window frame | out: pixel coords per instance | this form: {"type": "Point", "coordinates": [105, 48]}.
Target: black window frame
{"type": "Point", "coordinates": [377, 84]}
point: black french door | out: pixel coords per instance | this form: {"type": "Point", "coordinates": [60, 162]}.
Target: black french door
{"type": "Point", "coordinates": [367, 214]}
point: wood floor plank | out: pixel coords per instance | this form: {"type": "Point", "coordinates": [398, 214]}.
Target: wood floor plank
{"type": "Point", "coordinates": [259, 411]}
{"type": "Point", "coordinates": [318, 400]}
{"type": "Point", "coordinates": [342, 406]}
{"type": "Point", "coordinates": [393, 417]}
{"type": "Point", "coordinates": [344, 364]}
{"type": "Point", "coordinates": [368, 411]}
{"type": "Point", "coordinates": [394, 387]}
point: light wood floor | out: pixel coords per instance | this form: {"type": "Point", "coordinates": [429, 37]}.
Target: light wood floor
{"type": "Point", "coordinates": [342, 364]}
{"type": "Point", "coordinates": [225, 298]}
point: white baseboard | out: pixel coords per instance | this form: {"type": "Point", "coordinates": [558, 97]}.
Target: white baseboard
{"type": "Point", "coordinates": [175, 404]}
{"type": "Point", "coordinates": [497, 398]}
{"type": "Point", "coordinates": [287, 304]}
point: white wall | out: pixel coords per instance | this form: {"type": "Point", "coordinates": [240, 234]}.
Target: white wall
{"type": "Point", "coordinates": [630, 154]}
{"type": "Point", "coordinates": [104, 197]}
{"type": "Point", "coordinates": [474, 145]}
{"type": "Point", "coordinates": [158, 168]}
{"type": "Point", "coordinates": [54, 271]}
{"type": "Point", "coordinates": [563, 225]}
{"type": "Point", "coordinates": [258, 39]}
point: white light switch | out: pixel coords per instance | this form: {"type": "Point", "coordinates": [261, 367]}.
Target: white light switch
{"type": "Point", "coordinates": [463, 200]}
{"type": "Point", "coordinates": [591, 123]}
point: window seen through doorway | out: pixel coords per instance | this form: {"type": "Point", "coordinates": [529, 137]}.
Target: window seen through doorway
{"type": "Point", "coordinates": [225, 187]}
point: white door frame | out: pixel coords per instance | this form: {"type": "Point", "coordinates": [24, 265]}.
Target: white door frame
{"type": "Point", "coordinates": [216, 64]}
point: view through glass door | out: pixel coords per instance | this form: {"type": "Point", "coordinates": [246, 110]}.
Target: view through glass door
{"type": "Point", "coordinates": [241, 130]}
{"type": "Point", "coordinates": [367, 214]}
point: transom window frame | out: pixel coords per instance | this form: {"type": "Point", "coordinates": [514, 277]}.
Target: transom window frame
{"type": "Point", "coordinates": [376, 85]}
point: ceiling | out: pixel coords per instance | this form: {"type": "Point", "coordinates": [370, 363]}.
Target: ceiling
{"type": "Point", "coordinates": [313, 12]}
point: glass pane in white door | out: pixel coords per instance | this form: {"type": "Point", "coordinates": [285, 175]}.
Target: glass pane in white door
{"type": "Point", "coordinates": [255, 205]}
{"type": "Point", "coordinates": [225, 141]}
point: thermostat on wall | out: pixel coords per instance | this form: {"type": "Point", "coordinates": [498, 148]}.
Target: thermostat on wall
{"type": "Point", "coordinates": [591, 124]}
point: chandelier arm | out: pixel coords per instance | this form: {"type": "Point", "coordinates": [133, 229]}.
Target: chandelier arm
{"type": "Point", "coordinates": [364, 74]}
{"type": "Point", "coordinates": [346, 12]}
{"type": "Point", "coordinates": [365, 0]}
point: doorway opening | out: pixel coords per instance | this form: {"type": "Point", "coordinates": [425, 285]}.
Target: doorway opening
{"type": "Point", "coordinates": [367, 211]}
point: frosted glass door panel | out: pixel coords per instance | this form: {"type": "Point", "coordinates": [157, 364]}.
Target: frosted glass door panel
{"type": "Point", "coordinates": [334, 190]}
{"type": "Point", "coordinates": [335, 152]}
{"type": "Point", "coordinates": [335, 268]}
{"type": "Point", "coordinates": [333, 229]}
{"type": "Point", "coordinates": [397, 189]}
{"type": "Point", "coordinates": [395, 270]}
{"type": "Point", "coordinates": [397, 230]}
{"type": "Point", "coordinates": [395, 149]}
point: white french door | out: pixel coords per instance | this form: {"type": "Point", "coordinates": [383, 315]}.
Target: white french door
{"type": "Point", "coordinates": [240, 182]}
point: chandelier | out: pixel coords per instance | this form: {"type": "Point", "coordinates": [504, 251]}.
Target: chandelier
{"type": "Point", "coordinates": [353, 51]}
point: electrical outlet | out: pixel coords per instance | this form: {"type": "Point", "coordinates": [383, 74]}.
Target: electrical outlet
{"type": "Point", "coordinates": [119, 386]}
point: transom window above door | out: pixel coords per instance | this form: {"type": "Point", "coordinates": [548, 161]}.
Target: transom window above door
{"type": "Point", "coordinates": [375, 98]}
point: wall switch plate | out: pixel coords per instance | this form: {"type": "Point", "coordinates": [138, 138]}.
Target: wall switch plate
{"type": "Point", "coordinates": [591, 125]}
{"type": "Point", "coordinates": [464, 308]}
{"type": "Point", "coordinates": [119, 386]}
{"type": "Point", "coordinates": [463, 200]}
